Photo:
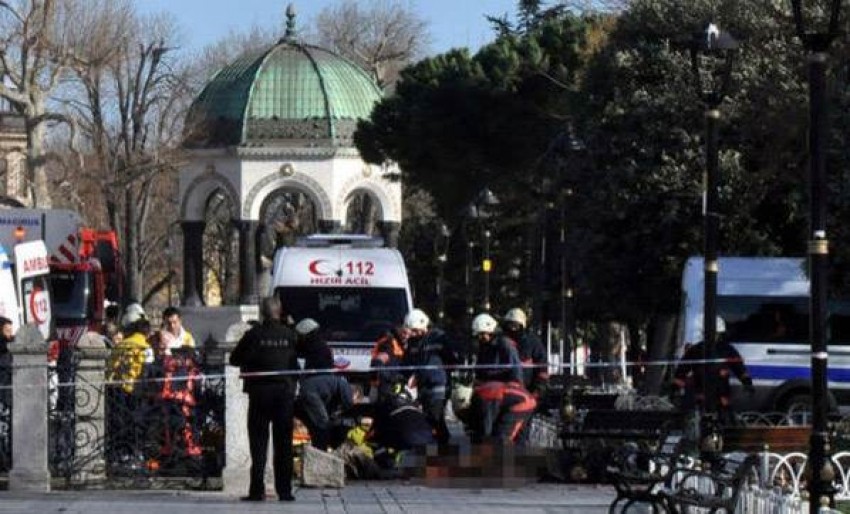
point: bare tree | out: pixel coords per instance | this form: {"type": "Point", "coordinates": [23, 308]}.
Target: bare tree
{"type": "Point", "coordinates": [383, 37]}
{"type": "Point", "coordinates": [34, 54]}
{"type": "Point", "coordinates": [131, 108]}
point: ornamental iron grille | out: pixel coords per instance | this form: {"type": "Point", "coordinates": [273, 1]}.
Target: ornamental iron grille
{"type": "Point", "coordinates": [285, 214]}
{"type": "Point", "coordinates": [5, 413]}
{"type": "Point", "coordinates": [154, 426]}
{"type": "Point", "coordinates": [221, 250]}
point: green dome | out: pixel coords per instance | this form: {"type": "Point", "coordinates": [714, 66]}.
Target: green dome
{"type": "Point", "coordinates": [290, 94]}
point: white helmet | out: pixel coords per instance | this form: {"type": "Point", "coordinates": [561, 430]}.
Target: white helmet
{"type": "Point", "coordinates": [133, 313]}
{"type": "Point", "coordinates": [516, 315]}
{"type": "Point", "coordinates": [306, 325]}
{"type": "Point", "coordinates": [484, 324]}
{"type": "Point", "coordinates": [416, 320]}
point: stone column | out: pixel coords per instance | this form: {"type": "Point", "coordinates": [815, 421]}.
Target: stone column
{"type": "Point", "coordinates": [90, 407]}
{"type": "Point", "coordinates": [390, 231]}
{"type": "Point", "coordinates": [330, 226]}
{"type": "Point", "coordinates": [29, 412]}
{"type": "Point", "coordinates": [237, 463]}
{"type": "Point", "coordinates": [193, 263]}
{"type": "Point", "coordinates": [247, 261]}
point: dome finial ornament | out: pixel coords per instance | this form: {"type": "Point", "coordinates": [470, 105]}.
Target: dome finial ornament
{"type": "Point", "coordinates": [289, 35]}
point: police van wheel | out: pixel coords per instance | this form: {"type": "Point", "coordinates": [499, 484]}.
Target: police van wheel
{"type": "Point", "coordinates": [797, 405]}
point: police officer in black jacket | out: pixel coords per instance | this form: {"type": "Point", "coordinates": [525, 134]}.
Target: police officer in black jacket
{"type": "Point", "coordinates": [266, 355]}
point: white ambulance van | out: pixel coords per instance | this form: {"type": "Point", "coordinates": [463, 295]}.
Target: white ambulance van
{"type": "Point", "coordinates": [24, 287]}
{"type": "Point", "coordinates": [351, 284]}
{"type": "Point", "coordinates": [764, 303]}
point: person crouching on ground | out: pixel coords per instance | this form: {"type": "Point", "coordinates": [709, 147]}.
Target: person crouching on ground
{"type": "Point", "coordinates": [499, 399]}
{"type": "Point", "coordinates": [532, 354]}
{"type": "Point", "coordinates": [399, 425]}
{"type": "Point", "coordinates": [323, 393]}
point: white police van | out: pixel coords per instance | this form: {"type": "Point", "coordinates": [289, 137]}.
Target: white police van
{"type": "Point", "coordinates": [354, 286]}
{"type": "Point", "coordinates": [765, 304]}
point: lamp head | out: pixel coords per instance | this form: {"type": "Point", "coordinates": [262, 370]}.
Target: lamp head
{"type": "Point", "coordinates": [716, 48]}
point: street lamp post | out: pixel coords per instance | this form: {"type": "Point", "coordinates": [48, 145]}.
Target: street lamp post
{"type": "Point", "coordinates": [577, 149]}
{"type": "Point", "coordinates": [442, 247]}
{"type": "Point", "coordinates": [486, 268]}
{"type": "Point", "coordinates": [481, 210]}
{"type": "Point", "coordinates": [467, 279]}
{"type": "Point", "coordinates": [817, 45]}
{"type": "Point", "coordinates": [712, 86]}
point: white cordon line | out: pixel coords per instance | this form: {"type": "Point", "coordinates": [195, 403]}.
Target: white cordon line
{"type": "Point", "coordinates": [256, 374]}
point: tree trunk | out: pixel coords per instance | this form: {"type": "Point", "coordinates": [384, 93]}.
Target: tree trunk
{"type": "Point", "coordinates": [662, 334]}
{"type": "Point", "coordinates": [39, 192]}
{"type": "Point", "coordinates": [131, 256]}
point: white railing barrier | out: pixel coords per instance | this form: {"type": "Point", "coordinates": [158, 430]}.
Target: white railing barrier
{"type": "Point", "coordinates": [781, 485]}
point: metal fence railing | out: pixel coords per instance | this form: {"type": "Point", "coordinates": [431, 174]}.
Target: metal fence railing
{"type": "Point", "coordinates": [164, 428]}
{"type": "Point", "coordinates": [5, 413]}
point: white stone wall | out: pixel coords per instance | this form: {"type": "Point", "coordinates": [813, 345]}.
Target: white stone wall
{"type": "Point", "coordinates": [327, 176]}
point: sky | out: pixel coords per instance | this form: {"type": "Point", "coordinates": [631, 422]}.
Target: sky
{"type": "Point", "coordinates": [453, 23]}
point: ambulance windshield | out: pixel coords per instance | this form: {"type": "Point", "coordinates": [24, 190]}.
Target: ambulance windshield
{"type": "Point", "coordinates": [347, 314]}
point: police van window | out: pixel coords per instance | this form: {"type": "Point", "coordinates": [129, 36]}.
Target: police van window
{"type": "Point", "coordinates": [764, 319]}
{"type": "Point", "coordinates": [779, 319]}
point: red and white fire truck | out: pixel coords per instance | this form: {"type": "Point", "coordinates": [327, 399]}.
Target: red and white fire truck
{"type": "Point", "coordinates": [85, 266]}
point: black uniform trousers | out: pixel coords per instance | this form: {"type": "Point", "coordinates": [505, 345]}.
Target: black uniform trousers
{"type": "Point", "coordinates": [270, 403]}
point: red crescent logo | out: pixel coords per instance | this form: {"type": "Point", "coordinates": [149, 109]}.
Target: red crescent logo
{"type": "Point", "coordinates": [34, 307]}
{"type": "Point", "coordinates": [314, 267]}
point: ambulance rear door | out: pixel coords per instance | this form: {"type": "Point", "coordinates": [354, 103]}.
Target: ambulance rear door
{"type": "Point", "coordinates": [32, 270]}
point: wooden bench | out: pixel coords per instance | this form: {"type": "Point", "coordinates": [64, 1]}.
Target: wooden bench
{"type": "Point", "coordinates": [777, 439]}
{"type": "Point", "coordinates": [715, 488]}
{"type": "Point", "coordinates": [593, 437]}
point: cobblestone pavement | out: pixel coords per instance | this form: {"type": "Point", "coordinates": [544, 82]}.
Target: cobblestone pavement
{"type": "Point", "coordinates": [359, 497]}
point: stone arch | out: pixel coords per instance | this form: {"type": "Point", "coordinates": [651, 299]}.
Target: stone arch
{"type": "Point", "coordinates": [368, 212]}
{"type": "Point", "coordinates": [389, 209]}
{"type": "Point", "coordinates": [267, 185]}
{"type": "Point", "coordinates": [221, 280]}
{"type": "Point", "coordinates": [283, 218]}
{"type": "Point", "coordinates": [194, 201]}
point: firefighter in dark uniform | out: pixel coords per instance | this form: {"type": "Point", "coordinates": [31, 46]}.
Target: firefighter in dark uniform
{"type": "Point", "coordinates": [267, 356]}
{"type": "Point", "coordinates": [532, 354]}
{"type": "Point", "coordinates": [688, 377]}
{"type": "Point", "coordinates": [399, 425]}
{"type": "Point", "coordinates": [323, 394]}
{"type": "Point", "coordinates": [428, 353]}
{"type": "Point", "coordinates": [497, 369]}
